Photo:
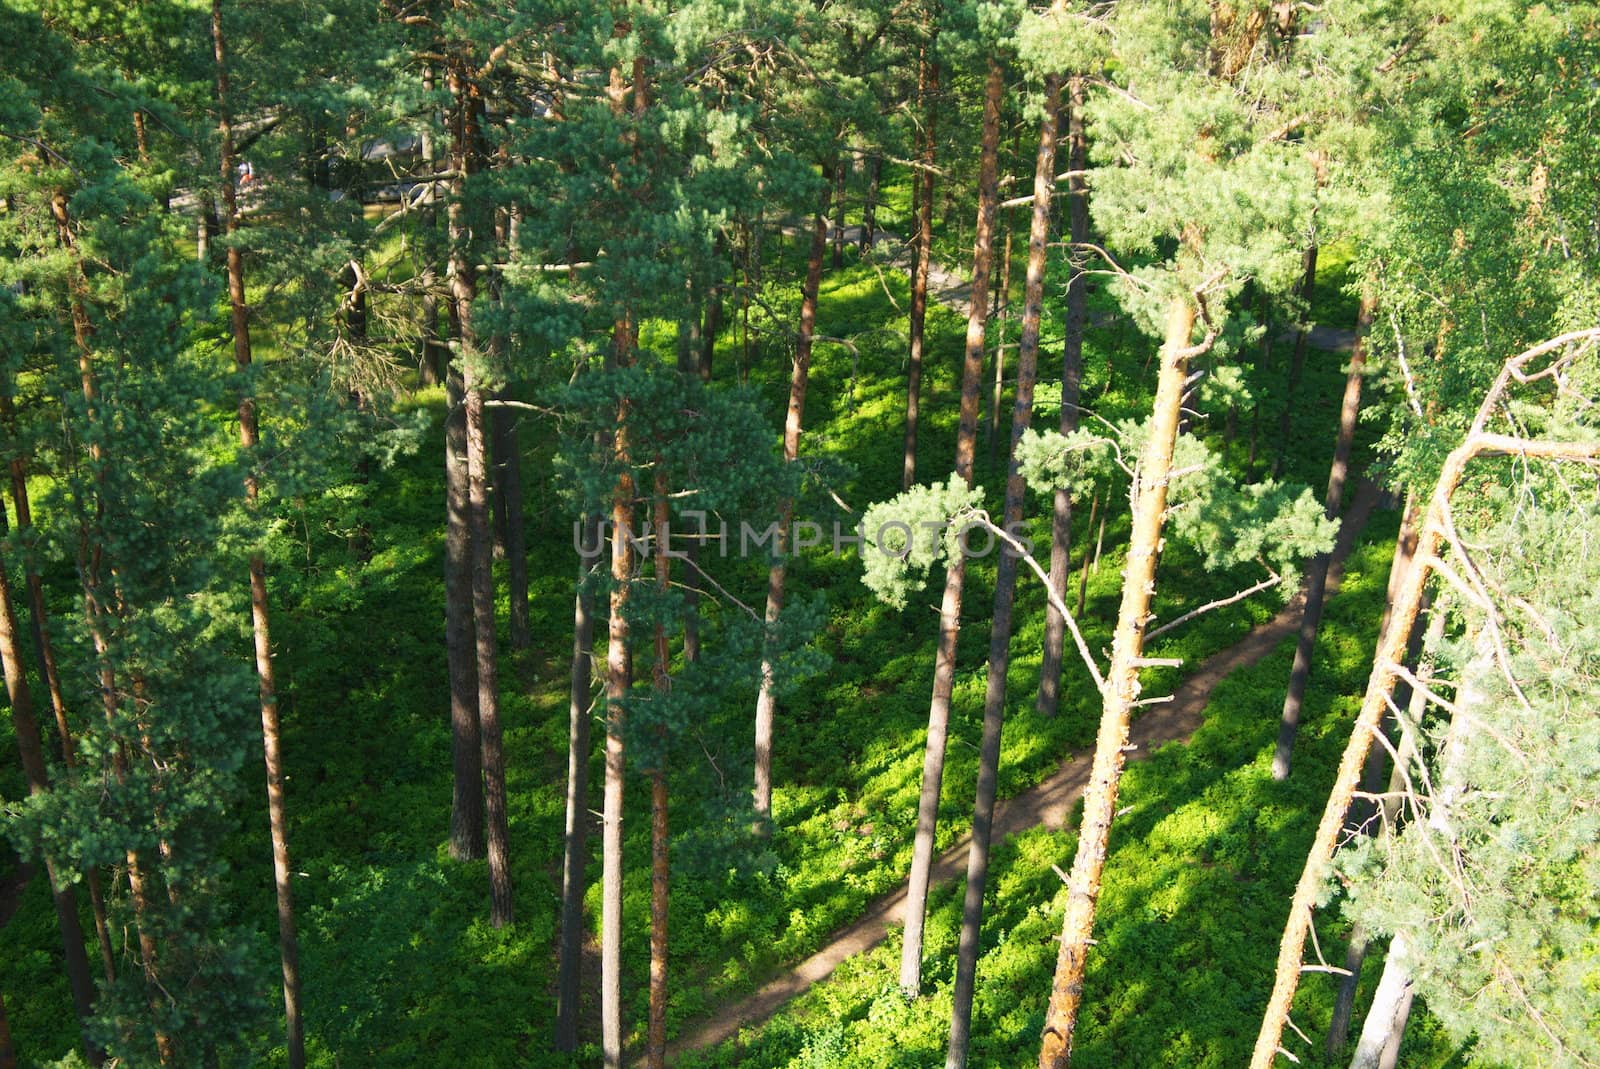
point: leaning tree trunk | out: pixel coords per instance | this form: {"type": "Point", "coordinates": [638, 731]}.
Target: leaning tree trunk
{"type": "Point", "coordinates": [1055, 625]}
{"type": "Point", "coordinates": [766, 697]}
{"type": "Point", "coordinates": [575, 852]}
{"type": "Point", "coordinates": [1120, 692]}
{"type": "Point", "coordinates": [1002, 315]}
{"type": "Point", "coordinates": [1302, 334]}
{"type": "Point", "coordinates": [34, 768]}
{"type": "Point", "coordinates": [922, 253]}
{"type": "Point", "coordinates": [249, 437]}
{"type": "Point", "coordinates": [660, 869]}
{"type": "Point", "coordinates": [1317, 574]}
{"type": "Point", "coordinates": [1406, 602]}
{"type": "Point", "coordinates": [944, 666]}
{"type": "Point", "coordinates": [1005, 586]}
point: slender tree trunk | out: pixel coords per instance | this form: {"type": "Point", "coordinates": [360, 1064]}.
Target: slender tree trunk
{"type": "Point", "coordinates": [1002, 301]}
{"type": "Point", "coordinates": [944, 666]}
{"type": "Point", "coordinates": [619, 677]}
{"type": "Point", "coordinates": [994, 699]}
{"type": "Point", "coordinates": [95, 610]}
{"type": "Point", "coordinates": [1121, 692]}
{"type": "Point", "coordinates": [1297, 359]}
{"type": "Point", "coordinates": [840, 174]}
{"type": "Point", "coordinates": [52, 676]}
{"type": "Point", "coordinates": [660, 870]}
{"type": "Point", "coordinates": [34, 768]}
{"type": "Point", "coordinates": [688, 365]}
{"type": "Point", "coordinates": [508, 489]}
{"type": "Point", "coordinates": [463, 284]}
{"type": "Point", "coordinates": [1083, 574]}
{"type": "Point", "coordinates": [766, 698]}
{"type": "Point", "coordinates": [430, 356]}
{"type": "Point", "coordinates": [249, 436]}
{"type": "Point", "coordinates": [1391, 1005]}
{"type": "Point", "coordinates": [922, 250]}
{"type": "Point", "coordinates": [579, 710]}
{"type": "Point", "coordinates": [1406, 602]}
{"type": "Point", "coordinates": [1055, 626]}
{"type": "Point", "coordinates": [466, 808]}
{"type": "Point", "coordinates": [1317, 573]}
{"type": "Point", "coordinates": [869, 207]}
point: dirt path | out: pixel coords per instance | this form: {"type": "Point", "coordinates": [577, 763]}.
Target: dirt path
{"type": "Point", "coordinates": [1047, 805]}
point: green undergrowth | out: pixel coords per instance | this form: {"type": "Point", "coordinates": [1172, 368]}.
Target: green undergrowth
{"type": "Point", "coordinates": [400, 966]}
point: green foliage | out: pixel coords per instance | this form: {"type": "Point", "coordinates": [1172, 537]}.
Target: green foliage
{"type": "Point", "coordinates": [906, 536]}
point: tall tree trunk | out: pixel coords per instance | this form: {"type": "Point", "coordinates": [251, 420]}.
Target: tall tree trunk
{"type": "Point", "coordinates": [944, 666]}
{"type": "Point", "coordinates": [431, 357]}
{"type": "Point", "coordinates": [34, 768]}
{"type": "Point", "coordinates": [579, 710]}
{"type": "Point", "coordinates": [660, 870]}
{"type": "Point", "coordinates": [466, 748]}
{"type": "Point", "coordinates": [766, 698]}
{"type": "Point", "coordinates": [52, 676]}
{"type": "Point", "coordinates": [688, 365]}
{"type": "Point", "coordinates": [1005, 586]}
{"type": "Point", "coordinates": [869, 206]}
{"type": "Point", "coordinates": [95, 609]}
{"type": "Point", "coordinates": [249, 436]}
{"type": "Point", "coordinates": [1302, 334]}
{"type": "Point", "coordinates": [463, 286]}
{"type": "Point", "coordinates": [1121, 692]}
{"type": "Point", "coordinates": [1055, 625]}
{"type": "Point", "coordinates": [922, 251]}
{"type": "Point", "coordinates": [1405, 603]}
{"type": "Point", "coordinates": [1317, 574]}
{"type": "Point", "coordinates": [1385, 1025]}
{"type": "Point", "coordinates": [508, 489]}
{"type": "Point", "coordinates": [619, 677]}
{"type": "Point", "coordinates": [1002, 313]}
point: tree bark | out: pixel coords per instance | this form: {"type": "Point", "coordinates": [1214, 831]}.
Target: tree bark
{"type": "Point", "coordinates": [922, 253]}
{"type": "Point", "coordinates": [508, 490]}
{"type": "Point", "coordinates": [463, 290]}
{"type": "Point", "coordinates": [1379, 1045]}
{"type": "Point", "coordinates": [52, 676]}
{"type": "Point", "coordinates": [840, 175]}
{"type": "Point", "coordinates": [1406, 601]}
{"type": "Point", "coordinates": [579, 710]}
{"type": "Point", "coordinates": [1120, 693]}
{"type": "Point", "coordinates": [869, 206]}
{"type": "Point", "coordinates": [431, 358]}
{"type": "Point", "coordinates": [34, 768]}
{"type": "Point", "coordinates": [466, 808]}
{"type": "Point", "coordinates": [260, 618]}
{"type": "Point", "coordinates": [1055, 625]}
{"type": "Point", "coordinates": [660, 870]}
{"type": "Point", "coordinates": [944, 666]}
{"type": "Point", "coordinates": [1317, 573]}
{"type": "Point", "coordinates": [1002, 315]}
{"type": "Point", "coordinates": [766, 697]}
{"type": "Point", "coordinates": [994, 700]}
{"type": "Point", "coordinates": [619, 677]}
{"type": "Point", "coordinates": [688, 365]}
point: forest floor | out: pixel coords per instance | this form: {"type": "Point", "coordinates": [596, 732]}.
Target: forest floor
{"type": "Point", "coordinates": [1047, 805]}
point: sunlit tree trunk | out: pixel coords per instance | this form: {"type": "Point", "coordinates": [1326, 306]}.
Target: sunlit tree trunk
{"type": "Point", "coordinates": [1120, 693]}
{"type": "Point", "coordinates": [922, 251]}
{"type": "Point", "coordinates": [766, 697]}
{"type": "Point", "coordinates": [1005, 586]}
{"type": "Point", "coordinates": [1055, 625]}
{"type": "Point", "coordinates": [575, 852]}
{"type": "Point", "coordinates": [660, 870]}
{"type": "Point", "coordinates": [944, 667]}
{"type": "Point", "coordinates": [249, 437]}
